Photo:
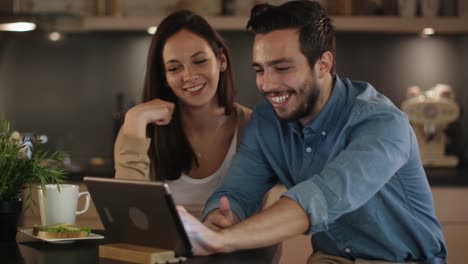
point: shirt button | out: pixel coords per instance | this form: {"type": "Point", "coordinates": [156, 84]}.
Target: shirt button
{"type": "Point", "coordinates": [347, 250]}
{"type": "Point", "coordinates": [309, 149]}
{"type": "Point", "coordinates": [324, 133]}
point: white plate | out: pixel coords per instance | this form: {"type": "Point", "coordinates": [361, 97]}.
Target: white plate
{"type": "Point", "coordinates": [90, 236]}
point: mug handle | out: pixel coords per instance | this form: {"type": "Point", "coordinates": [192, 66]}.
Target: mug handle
{"type": "Point", "coordinates": [86, 206]}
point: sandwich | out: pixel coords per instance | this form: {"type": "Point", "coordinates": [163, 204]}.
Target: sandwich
{"type": "Point", "coordinates": [59, 231]}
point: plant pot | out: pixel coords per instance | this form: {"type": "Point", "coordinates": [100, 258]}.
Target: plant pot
{"type": "Point", "coordinates": [9, 216]}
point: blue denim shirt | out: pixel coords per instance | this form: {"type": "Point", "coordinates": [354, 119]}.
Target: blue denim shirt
{"type": "Point", "coordinates": [354, 169]}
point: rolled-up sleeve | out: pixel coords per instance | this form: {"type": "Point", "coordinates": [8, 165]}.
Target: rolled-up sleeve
{"type": "Point", "coordinates": [377, 145]}
{"type": "Point", "coordinates": [131, 157]}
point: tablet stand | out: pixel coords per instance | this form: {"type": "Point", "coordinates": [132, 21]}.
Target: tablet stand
{"type": "Point", "coordinates": [137, 254]}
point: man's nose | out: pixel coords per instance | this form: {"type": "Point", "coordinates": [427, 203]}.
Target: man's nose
{"type": "Point", "coordinates": [268, 82]}
{"type": "Point", "coordinates": [189, 74]}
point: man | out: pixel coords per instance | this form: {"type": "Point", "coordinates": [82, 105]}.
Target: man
{"type": "Point", "coordinates": [347, 155]}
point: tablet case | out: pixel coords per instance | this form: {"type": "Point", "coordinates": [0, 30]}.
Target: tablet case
{"type": "Point", "coordinates": [140, 213]}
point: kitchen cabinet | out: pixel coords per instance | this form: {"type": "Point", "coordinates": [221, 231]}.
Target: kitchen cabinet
{"type": "Point", "coordinates": [451, 205]}
{"type": "Point", "coordinates": [387, 24]}
{"type": "Point", "coordinates": [382, 24]}
{"type": "Point", "coordinates": [131, 17]}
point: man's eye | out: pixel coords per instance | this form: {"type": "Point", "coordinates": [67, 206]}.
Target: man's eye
{"type": "Point", "coordinates": [200, 61]}
{"type": "Point", "coordinates": [283, 68]}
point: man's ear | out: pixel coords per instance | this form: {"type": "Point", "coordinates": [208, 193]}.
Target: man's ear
{"type": "Point", "coordinates": [325, 63]}
{"type": "Point", "coordinates": [223, 61]}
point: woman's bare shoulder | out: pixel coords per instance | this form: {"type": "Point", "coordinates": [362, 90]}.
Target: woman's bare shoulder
{"type": "Point", "coordinates": [243, 113]}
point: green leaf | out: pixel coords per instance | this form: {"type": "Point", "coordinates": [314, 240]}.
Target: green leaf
{"type": "Point", "coordinates": [18, 173]}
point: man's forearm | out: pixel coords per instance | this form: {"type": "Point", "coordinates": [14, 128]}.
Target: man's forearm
{"type": "Point", "coordinates": [282, 220]}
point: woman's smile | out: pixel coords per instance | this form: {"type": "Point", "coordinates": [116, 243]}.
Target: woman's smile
{"type": "Point", "coordinates": [195, 89]}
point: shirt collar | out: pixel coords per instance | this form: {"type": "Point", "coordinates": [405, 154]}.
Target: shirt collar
{"type": "Point", "coordinates": [323, 122]}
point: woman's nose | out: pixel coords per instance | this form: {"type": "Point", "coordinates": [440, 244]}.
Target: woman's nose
{"type": "Point", "coordinates": [189, 74]}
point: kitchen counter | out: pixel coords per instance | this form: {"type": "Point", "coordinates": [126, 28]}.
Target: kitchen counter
{"type": "Point", "coordinates": [28, 251]}
{"type": "Point", "coordinates": [445, 177]}
{"type": "Point", "coordinates": [94, 171]}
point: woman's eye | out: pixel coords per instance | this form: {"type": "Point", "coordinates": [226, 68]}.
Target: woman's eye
{"type": "Point", "coordinates": [172, 69]}
{"type": "Point", "coordinates": [200, 61]}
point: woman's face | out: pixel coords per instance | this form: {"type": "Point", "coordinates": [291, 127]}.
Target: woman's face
{"type": "Point", "coordinates": [192, 68]}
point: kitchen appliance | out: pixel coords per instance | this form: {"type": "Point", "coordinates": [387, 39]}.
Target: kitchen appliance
{"type": "Point", "coordinates": [430, 113]}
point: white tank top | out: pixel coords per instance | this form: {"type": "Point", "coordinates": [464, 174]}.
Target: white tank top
{"type": "Point", "coordinates": [193, 193]}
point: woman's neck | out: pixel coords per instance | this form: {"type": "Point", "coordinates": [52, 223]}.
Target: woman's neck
{"type": "Point", "coordinates": [202, 120]}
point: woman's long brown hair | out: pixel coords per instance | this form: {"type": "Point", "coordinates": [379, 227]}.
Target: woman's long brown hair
{"type": "Point", "coordinates": [170, 151]}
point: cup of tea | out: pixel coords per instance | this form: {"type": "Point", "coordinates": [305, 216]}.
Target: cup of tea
{"type": "Point", "coordinates": [58, 203]}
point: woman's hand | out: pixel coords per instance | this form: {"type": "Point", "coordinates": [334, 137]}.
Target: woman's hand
{"type": "Point", "coordinates": [156, 112]}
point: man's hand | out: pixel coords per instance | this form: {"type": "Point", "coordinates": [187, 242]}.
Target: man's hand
{"type": "Point", "coordinates": [204, 240]}
{"type": "Point", "coordinates": [221, 218]}
{"type": "Point", "coordinates": [281, 221]}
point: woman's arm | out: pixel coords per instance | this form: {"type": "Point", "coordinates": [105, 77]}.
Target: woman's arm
{"type": "Point", "coordinates": [131, 146]}
{"type": "Point", "coordinates": [131, 158]}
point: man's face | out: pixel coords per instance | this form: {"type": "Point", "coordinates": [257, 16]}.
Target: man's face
{"type": "Point", "coordinates": [283, 74]}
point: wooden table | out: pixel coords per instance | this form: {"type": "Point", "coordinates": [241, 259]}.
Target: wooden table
{"type": "Point", "coordinates": [29, 250]}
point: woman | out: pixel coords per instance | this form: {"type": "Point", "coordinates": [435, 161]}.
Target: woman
{"type": "Point", "coordinates": [187, 128]}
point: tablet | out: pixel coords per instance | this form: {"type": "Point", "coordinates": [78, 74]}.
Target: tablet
{"type": "Point", "coordinates": [140, 213]}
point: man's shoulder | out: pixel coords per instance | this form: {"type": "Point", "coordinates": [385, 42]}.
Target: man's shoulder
{"type": "Point", "coordinates": [368, 101]}
{"type": "Point", "coordinates": [363, 91]}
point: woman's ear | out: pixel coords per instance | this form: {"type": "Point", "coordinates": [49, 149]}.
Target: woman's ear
{"type": "Point", "coordinates": [222, 61]}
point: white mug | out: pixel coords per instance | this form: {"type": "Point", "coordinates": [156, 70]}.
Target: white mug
{"type": "Point", "coordinates": [60, 206]}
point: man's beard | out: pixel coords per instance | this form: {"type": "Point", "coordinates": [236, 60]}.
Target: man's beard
{"type": "Point", "coordinates": [310, 91]}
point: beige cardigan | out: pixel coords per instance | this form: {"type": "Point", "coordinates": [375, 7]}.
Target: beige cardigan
{"type": "Point", "coordinates": [131, 154]}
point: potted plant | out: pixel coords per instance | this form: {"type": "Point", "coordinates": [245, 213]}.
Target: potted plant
{"type": "Point", "coordinates": [22, 164]}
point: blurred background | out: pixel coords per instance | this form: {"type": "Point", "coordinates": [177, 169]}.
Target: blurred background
{"type": "Point", "coordinates": [75, 75]}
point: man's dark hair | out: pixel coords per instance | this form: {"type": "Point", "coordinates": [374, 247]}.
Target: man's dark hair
{"type": "Point", "coordinates": [316, 33]}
